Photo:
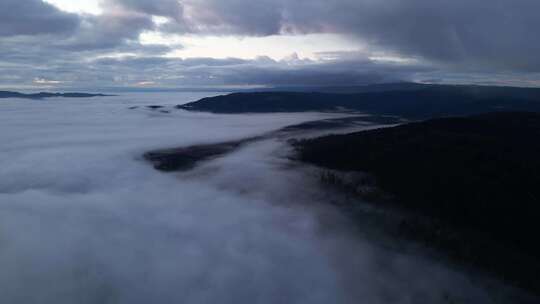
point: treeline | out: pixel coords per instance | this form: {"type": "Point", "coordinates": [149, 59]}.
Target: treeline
{"type": "Point", "coordinates": [479, 175]}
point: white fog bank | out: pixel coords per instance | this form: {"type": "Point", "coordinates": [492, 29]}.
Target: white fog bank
{"type": "Point", "coordinates": [83, 219]}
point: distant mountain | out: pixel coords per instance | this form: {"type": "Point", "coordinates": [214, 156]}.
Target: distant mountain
{"type": "Point", "coordinates": [41, 95]}
{"type": "Point", "coordinates": [407, 100]}
{"type": "Point", "coordinates": [398, 86]}
{"type": "Point", "coordinates": [479, 175]}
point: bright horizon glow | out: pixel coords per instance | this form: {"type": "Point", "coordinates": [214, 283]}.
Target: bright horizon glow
{"type": "Point", "coordinates": [275, 47]}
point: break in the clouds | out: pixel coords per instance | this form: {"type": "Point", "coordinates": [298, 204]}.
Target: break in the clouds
{"type": "Point", "coordinates": [444, 41]}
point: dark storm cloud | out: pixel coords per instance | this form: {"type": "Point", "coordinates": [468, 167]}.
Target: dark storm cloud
{"type": "Point", "coordinates": [23, 22]}
{"type": "Point", "coordinates": [498, 34]}
{"type": "Point", "coordinates": [34, 17]}
{"type": "Point", "coordinates": [259, 18]}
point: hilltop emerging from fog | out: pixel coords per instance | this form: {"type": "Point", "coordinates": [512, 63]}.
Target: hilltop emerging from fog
{"type": "Point", "coordinates": [407, 100]}
{"type": "Point", "coordinates": [41, 95]}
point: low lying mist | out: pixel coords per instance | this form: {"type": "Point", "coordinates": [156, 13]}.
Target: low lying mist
{"type": "Point", "coordinates": [84, 219]}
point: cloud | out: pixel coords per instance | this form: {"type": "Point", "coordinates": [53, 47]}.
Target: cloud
{"type": "Point", "coordinates": [115, 27]}
{"type": "Point", "coordinates": [450, 39]}
{"type": "Point", "coordinates": [34, 17]}
{"type": "Point", "coordinates": [229, 72]}
{"type": "Point", "coordinates": [165, 8]}
{"type": "Point", "coordinates": [498, 35]}
{"type": "Point", "coordinates": [108, 31]}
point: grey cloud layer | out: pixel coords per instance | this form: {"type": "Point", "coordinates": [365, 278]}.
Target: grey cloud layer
{"type": "Point", "coordinates": [167, 8]}
{"type": "Point", "coordinates": [197, 72]}
{"type": "Point", "coordinates": [34, 17]}
{"type": "Point", "coordinates": [38, 40]}
{"type": "Point", "coordinates": [498, 34]}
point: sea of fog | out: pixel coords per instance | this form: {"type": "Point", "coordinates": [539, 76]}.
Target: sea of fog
{"type": "Point", "coordinates": [84, 219]}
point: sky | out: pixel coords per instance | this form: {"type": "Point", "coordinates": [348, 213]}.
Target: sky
{"type": "Point", "coordinates": [98, 44]}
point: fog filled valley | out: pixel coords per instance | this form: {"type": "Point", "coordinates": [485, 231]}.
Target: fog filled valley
{"type": "Point", "coordinates": [269, 152]}
{"type": "Point", "coordinates": [85, 219]}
